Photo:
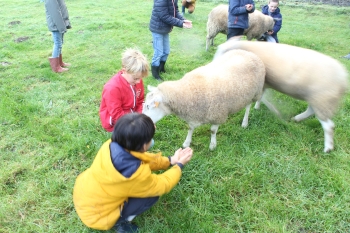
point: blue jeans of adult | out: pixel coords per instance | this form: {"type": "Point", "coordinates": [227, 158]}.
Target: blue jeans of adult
{"type": "Point", "coordinates": [57, 43]}
{"type": "Point", "coordinates": [136, 206]}
{"type": "Point", "coordinates": [161, 47]}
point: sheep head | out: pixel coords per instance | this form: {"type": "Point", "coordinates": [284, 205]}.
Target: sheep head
{"type": "Point", "coordinates": [153, 106]}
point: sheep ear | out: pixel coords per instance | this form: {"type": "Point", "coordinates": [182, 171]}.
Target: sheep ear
{"type": "Point", "coordinates": [153, 100]}
{"type": "Point", "coordinates": [151, 88]}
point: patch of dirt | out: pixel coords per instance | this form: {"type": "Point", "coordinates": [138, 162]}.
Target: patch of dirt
{"type": "Point", "coordinates": [5, 63]}
{"type": "Point", "coordinates": [14, 22]}
{"type": "Point", "coordinates": [21, 39]}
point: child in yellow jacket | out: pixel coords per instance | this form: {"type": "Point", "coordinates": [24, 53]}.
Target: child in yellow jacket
{"type": "Point", "coordinates": [120, 184]}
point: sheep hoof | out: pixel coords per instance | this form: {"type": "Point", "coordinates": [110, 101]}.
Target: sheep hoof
{"type": "Point", "coordinates": [244, 124]}
{"type": "Point", "coordinates": [212, 146]}
{"type": "Point", "coordinates": [328, 149]}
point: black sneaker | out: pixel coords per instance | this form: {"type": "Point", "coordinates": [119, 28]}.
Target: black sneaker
{"type": "Point", "coordinates": [125, 227]}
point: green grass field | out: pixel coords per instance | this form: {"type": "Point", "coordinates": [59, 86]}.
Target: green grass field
{"type": "Point", "coordinates": [270, 177]}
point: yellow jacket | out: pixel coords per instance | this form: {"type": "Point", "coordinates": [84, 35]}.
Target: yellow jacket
{"type": "Point", "coordinates": [100, 191]}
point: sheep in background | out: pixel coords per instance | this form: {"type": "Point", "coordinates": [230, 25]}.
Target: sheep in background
{"type": "Point", "coordinates": [210, 93]}
{"type": "Point", "coordinates": [217, 23]}
{"type": "Point", "coordinates": [303, 74]}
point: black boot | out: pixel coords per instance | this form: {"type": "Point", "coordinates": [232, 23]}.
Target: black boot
{"type": "Point", "coordinates": [161, 67]}
{"type": "Point", "coordinates": [155, 73]}
{"type": "Point", "coordinates": [125, 227]}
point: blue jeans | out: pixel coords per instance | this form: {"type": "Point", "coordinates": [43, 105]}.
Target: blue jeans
{"type": "Point", "coordinates": [161, 47]}
{"type": "Point", "coordinates": [57, 43]}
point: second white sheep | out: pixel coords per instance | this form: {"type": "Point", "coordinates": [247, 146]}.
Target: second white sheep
{"type": "Point", "coordinates": [217, 23]}
{"type": "Point", "coordinates": [208, 94]}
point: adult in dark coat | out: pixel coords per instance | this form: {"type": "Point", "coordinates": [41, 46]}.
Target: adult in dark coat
{"type": "Point", "coordinates": [238, 19]}
{"type": "Point", "coordinates": [165, 15]}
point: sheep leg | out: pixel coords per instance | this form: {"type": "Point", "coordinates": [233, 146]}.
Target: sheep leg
{"type": "Point", "coordinates": [328, 128]}
{"type": "Point", "coordinates": [246, 115]}
{"type": "Point", "coordinates": [257, 104]}
{"type": "Point", "coordinates": [210, 42]}
{"type": "Point", "coordinates": [188, 140]}
{"type": "Point", "coordinates": [214, 130]}
{"type": "Point", "coordinates": [302, 116]}
{"type": "Point", "coordinates": [207, 44]}
{"type": "Point", "coordinates": [270, 106]}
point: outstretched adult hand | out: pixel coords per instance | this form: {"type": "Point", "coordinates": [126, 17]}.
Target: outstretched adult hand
{"type": "Point", "coordinates": [187, 24]}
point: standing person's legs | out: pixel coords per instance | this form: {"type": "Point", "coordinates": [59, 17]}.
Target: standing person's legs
{"type": "Point", "coordinates": [234, 33]}
{"type": "Point", "coordinates": [166, 52]}
{"type": "Point", "coordinates": [166, 47]}
{"type": "Point", "coordinates": [62, 64]}
{"type": "Point", "coordinates": [56, 52]}
{"type": "Point", "coordinates": [57, 43]}
{"type": "Point", "coordinates": [158, 47]}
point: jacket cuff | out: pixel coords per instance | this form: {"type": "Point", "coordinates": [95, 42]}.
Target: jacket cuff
{"type": "Point", "coordinates": [180, 165]}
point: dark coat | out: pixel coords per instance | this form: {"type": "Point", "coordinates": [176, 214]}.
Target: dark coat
{"type": "Point", "coordinates": [165, 15]}
{"type": "Point", "coordinates": [237, 13]}
{"type": "Point", "coordinates": [277, 17]}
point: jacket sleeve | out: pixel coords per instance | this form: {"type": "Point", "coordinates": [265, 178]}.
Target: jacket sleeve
{"type": "Point", "coordinates": [178, 15]}
{"type": "Point", "coordinates": [141, 99]}
{"type": "Point", "coordinates": [54, 12]}
{"type": "Point", "coordinates": [152, 185]}
{"type": "Point", "coordinates": [235, 8]}
{"type": "Point", "coordinates": [158, 161]}
{"type": "Point", "coordinates": [278, 23]}
{"type": "Point", "coordinates": [161, 11]}
{"type": "Point", "coordinates": [113, 101]}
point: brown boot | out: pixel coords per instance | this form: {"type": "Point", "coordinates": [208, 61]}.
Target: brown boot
{"type": "Point", "coordinates": [55, 66]}
{"type": "Point", "coordinates": [62, 64]}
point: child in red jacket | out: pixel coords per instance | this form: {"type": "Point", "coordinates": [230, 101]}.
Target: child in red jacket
{"type": "Point", "coordinates": [124, 92]}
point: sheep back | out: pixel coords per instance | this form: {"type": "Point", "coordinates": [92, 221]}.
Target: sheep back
{"type": "Point", "coordinates": [301, 73]}
{"type": "Point", "coordinates": [209, 93]}
{"type": "Point", "coordinates": [258, 25]}
{"type": "Point", "coordinates": [217, 23]}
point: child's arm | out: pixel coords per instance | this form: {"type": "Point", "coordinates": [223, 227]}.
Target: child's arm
{"type": "Point", "coordinates": [141, 99]}
{"type": "Point", "coordinates": [113, 102]}
{"type": "Point", "coordinates": [278, 23]}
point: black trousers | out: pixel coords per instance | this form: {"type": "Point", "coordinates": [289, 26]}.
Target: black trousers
{"type": "Point", "coordinates": [136, 206]}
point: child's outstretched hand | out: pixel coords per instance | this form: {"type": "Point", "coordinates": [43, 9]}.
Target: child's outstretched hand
{"type": "Point", "coordinates": [182, 156]}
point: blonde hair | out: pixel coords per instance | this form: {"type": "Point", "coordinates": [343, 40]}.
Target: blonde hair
{"type": "Point", "coordinates": [134, 61]}
{"type": "Point", "coordinates": [276, 1]}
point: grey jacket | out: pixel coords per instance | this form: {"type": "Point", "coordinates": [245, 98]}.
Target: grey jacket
{"type": "Point", "coordinates": [57, 17]}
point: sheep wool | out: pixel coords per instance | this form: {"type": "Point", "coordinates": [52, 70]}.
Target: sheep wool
{"type": "Point", "coordinates": [301, 73]}
{"type": "Point", "coordinates": [217, 23]}
{"type": "Point", "coordinates": [210, 93]}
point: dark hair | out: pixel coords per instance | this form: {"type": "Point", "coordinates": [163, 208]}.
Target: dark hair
{"type": "Point", "coordinates": [133, 130]}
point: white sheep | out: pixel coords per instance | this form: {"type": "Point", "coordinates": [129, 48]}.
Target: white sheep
{"type": "Point", "coordinates": [217, 23]}
{"type": "Point", "coordinates": [210, 93]}
{"type": "Point", "coordinates": [303, 74]}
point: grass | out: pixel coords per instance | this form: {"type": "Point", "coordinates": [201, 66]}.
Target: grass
{"type": "Point", "coordinates": [271, 177]}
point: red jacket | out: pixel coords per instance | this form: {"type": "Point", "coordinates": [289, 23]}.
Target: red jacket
{"type": "Point", "coordinates": [118, 99]}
